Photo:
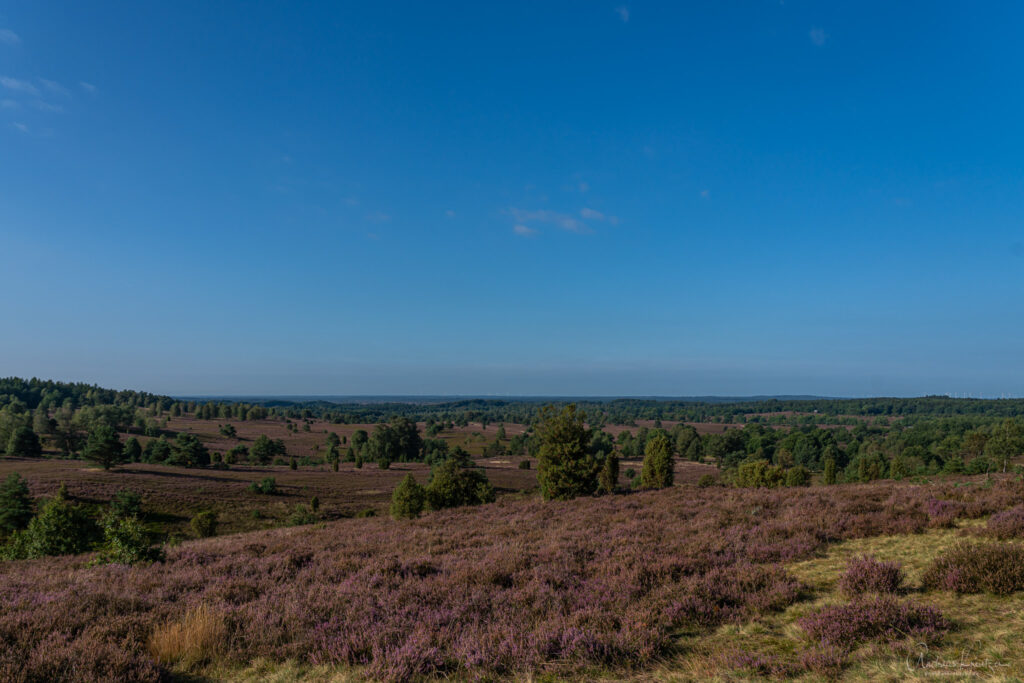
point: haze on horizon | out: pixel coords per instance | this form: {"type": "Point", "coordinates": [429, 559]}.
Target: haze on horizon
{"type": "Point", "coordinates": [514, 199]}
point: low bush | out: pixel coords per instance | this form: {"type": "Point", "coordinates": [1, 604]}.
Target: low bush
{"type": "Point", "coordinates": [974, 568]}
{"type": "Point", "coordinates": [524, 464]}
{"type": "Point", "coordinates": [60, 528]}
{"type": "Point", "coordinates": [1007, 524]}
{"type": "Point", "coordinates": [880, 618]}
{"type": "Point", "coordinates": [126, 503]}
{"type": "Point", "coordinates": [125, 541]}
{"type": "Point", "coordinates": [452, 485]}
{"type": "Point", "coordinates": [868, 575]}
{"type": "Point", "coordinates": [798, 476]}
{"type": "Point", "coordinates": [204, 524]}
{"type": "Point", "coordinates": [706, 480]}
{"type": "Point", "coordinates": [302, 515]}
{"type": "Point", "coordinates": [943, 513]}
{"type": "Point", "coordinates": [266, 486]}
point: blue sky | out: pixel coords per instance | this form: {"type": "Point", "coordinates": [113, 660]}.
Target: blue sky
{"type": "Point", "coordinates": [514, 198]}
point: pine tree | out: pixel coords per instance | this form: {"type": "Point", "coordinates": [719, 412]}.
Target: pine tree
{"type": "Point", "coordinates": [657, 472]}
{"type": "Point", "coordinates": [830, 471]}
{"type": "Point", "coordinates": [565, 467]}
{"type": "Point", "coordinates": [15, 504]}
{"type": "Point", "coordinates": [408, 499]}
{"type": "Point", "coordinates": [608, 479]}
{"type": "Point", "coordinates": [24, 443]}
{"type": "Point", "coordinates": [104, 447]}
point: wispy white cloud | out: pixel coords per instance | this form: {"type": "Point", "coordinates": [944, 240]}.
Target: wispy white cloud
{"type": "Point", "coordinates": [449, 213]}
{"type": "Point", "coordinates": [705, 194]}
{"type": "Point", "coordinates": [88, 87]}
{"type": "Point", "coordinates": [9, 37]}
{"type": "Point", "coordinates": [562, 220]}
{"type": "Point", "coordinates": [595, 215]}
{"type": "Point", "coordinates": [46, 106]}
{"type": "Point", "coordinates": [10, 104]}
{"type": "Point", "coordinates": [21, 127]}
{"type": "Point", "coordinates": [378, 217]}
{"type": "Point", "coordinates": [583, 186]}
{"type": "Point", "coordinates": [18, 86]}
{"type": "Point", "coordinates": [818, 36]}
{"type": "Point", "coordinates": [55, 87]}
{"type": "Point", "coordinates": [623, 13]}
{"type": "Point", "coordinates": [524, 231]}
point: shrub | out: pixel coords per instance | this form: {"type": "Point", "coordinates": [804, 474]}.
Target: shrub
{"type": "Point", "coordinates": [524, 464]}
{"type": "Point", "coordinates": [302, 515]}
{"type": "Point", "coordinates": [1007, 524]}
{"type": "Point", "coordinates": [15, 504]}
{"type": "Point", "coordinates": [879, 618]}
{"type": "Point", "coordinates": [236, 454]}
{"type": "Point", "coordinates": [266, 486]}
{"type": "Point", "coordinates": [314, 504]}
{"type": "Point", "coordinates": [758, 474]}
{"type": "Point", "coordinates": [706, 480]}
{"type": "Point", "coordinates": [195, 638]}
{"type": "Point", "coordinates": [798, 476]}
{"type": "Point", "coordinates": [125, 541]}
{"type": "Point", "coordinates": [657, 471]}
{"type": "Point", "coordinates": [943, 513]}
{"type": "Point", "coordinates": [826, 661]}
{"type": "Point", "coordinates": [409, 499]}
{"type": "Point", "coordinates": [60, 528]}
{"type": "Point", "coordinates": [868, 575]}
{"type": "Point", "coordinates": [972, 568]}
{"type": "Point", "coordinates": [189, 451]}
{"type": "Point", "coordinates": [126, 503]}
{"type": "Point", "coordinates": [204, 524]}
{"type": "Point", "coordinates": [453, 486]}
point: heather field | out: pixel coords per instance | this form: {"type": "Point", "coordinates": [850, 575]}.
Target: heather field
{"type": "Point", "coordinates": [863, 581]}
{"type": "Point", "coordinates": [173, 495]}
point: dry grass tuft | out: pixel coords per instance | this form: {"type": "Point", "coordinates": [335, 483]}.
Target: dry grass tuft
{"type": "Point", "coordinates": [196, 638]}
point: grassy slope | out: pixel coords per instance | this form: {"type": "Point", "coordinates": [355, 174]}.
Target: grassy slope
{"type": "Point", "coordinates": [985, 644]}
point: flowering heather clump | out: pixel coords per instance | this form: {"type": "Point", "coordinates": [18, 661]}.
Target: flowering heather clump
{"type": "Point", "coordinates": [514, 588]}
{"type": "Point", "coordinates": [879, 618]}
{"type": "Point", "coordinates": [972, 568]}
{"type": "Point", "coordinates": [1007, 524]}
{"type": "Point", "coordinates": [943, 513]}
{"type": "Point", "coordinates": [824, 660]}
{"type": "Point", "coordinates": [763, 665]}
{"type": "Point", "coordinates": [868, 575]}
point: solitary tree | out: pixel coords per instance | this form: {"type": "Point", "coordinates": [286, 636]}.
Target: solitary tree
{"type": "Point", "coordinates": [565, 466]}
{"type": "Point", "coordinates": [657, 472]}
{"type": "Point", "coordinates": [104, 447]}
